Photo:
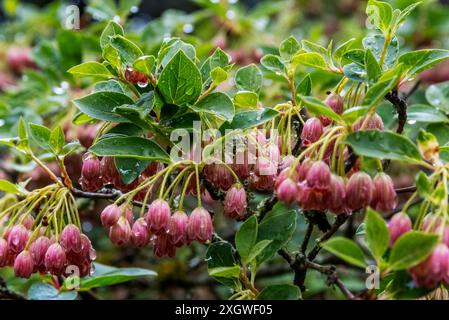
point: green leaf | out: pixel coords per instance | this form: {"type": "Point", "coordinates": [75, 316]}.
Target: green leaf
{"type": "Point", "coordinates": [225, 272]}
{"type": "Point", "coordinates": [249, 78]}
{"type": "Point", "coordinates": [257, 249]}
{"type": "Point", "coordinates": [280, 292]}
{"type": "Point", "coordinates": [318, 108]}
{"type": "Point", "coordinates": [129, 168]}
{"type": "Point", "coordinates": [130, 147]}
{"type": "Point", "coordinates": [100, 105]}
{"type": "Point", "coordinates": [112, 55]}
{"type": "Point", "coordinates": [218, 75]}
{"type": "Point", "coordinates": [127, 50]}
{"type": "Point", "coordinates": [412, 248]}
{"type": "Point", "coordinates": [9, 187]}
{"type": "Point", "coordinates": [438, 96]}
{"type": "Point", "coordinates": [377, 92]}
{"type": "Point", "coordinates": [310, 59]}
{"type": "Point", "coordinates": [22, 129]}
{"type": "Point", "coordinates": [354, 72]}
{"type": "Point", "coordinates": [383, 145]}
{"type": "Point", "coordinates": [114, 277]}
{"type": "Point", "coordinates": [376, 42]}
{"type": "Point", "coordinates": [168, 52]}
{"type": "Point", "coordinates": [57, 140]}
{"type": "Point", "coordinates": [304, 87]}
{"type": "Point", "coordinates": [144, 64]}
{"type": "Point", "coordinates": [90, 69]}
{"type": "Point", "coordinates": [288, 48]}
{"type": "Point", "coordinates": [355, 55]}
{"type": "Point", "coordinates": [45, 291]}
{"type": "Point", "coordinates": [376, 233]}
{"type": "Point", "coordinates": [273, 63]}
{"type": "Point", "coordinates": [380, 14]}
{"type": "Point", "coordinates": [346, 250]}
{"type": "Point", "coordinates": [423, 184]}
{"type": "Point", "coordinates": [373, 70]}
{"type": "Point", "coordinates": [246, 100]}
{"type": "Point", "coordinates": [420, 60]}
{"type": "Point", "coordinates": [425, 113]}
{"type": "Point", "coordinates": [110, 85]}
{"type": "Point", "coordinates": [245, 238]}
{"type": "Point", "coordinates": [218, 59]}
{"type": "Point", "coordinates": [278, 226]}
{"type": "Point", "coordinates": [217, 104]}
{"type": "Point", "coordinates": [352, 114]}
{"type": "Point", "coordinates": [342, 49]}
{"type": "Point", "coordinates": [219, 255]}
{"type": "Point", "coordinates": [249, 119]}
{"type": "Point", "coordinates": [111, 30]}
{"type": "Point", "coordinates": [180, 81]}
{"type": "Point", "coordinates": [41, 135]}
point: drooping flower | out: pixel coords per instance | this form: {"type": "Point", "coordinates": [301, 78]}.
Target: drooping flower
{"type": "Point", "coordinates": [140, 236]}
{"type": "Point", "coordinates": [158, 216]}
{"type": "Point", "coordinates": [359, 191]}
{"type": "Point", "coordinates": [434, 270]}
{"type": "Point", "coordinates": [398, 225]}
{"type": "Point", "coordinates": [120, 233]}
{"type": "Point", "coordinates": [384, 198]}
{"type": "Point", "coordinates": [23, 265]}
{"type": "Point", "coordinates": [200, 226]}
{"type": "Point", "coordinates": [235, 203]}
{"type": "Point", "coordinates": [311, 132]}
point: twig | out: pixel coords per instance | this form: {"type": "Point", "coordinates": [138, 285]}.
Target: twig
{"type": "Point", "coordinates": [341, 219]}
{"type": "Point", "coordinates": [401, 108]}
{"type": "Point", "coordinates": [406, 189]}
{"type": "Point", "coordinates": [332, 278]}
{"type": "Point", "coordinates": [306, 239]}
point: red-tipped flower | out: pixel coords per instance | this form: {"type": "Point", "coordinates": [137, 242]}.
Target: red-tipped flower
{"type": "Point", "coordinates": [359, 191]}
{"type": "Point", "coordinates": [287, 191]}
{"type": "Point", "coordinates": [374, 123]}
{"type": "Point", "coordinates": [385, 198]}
{"type": "Point", "coordinates": [337, 195]}
{"type": "Point", "coordinates": [120, 233]}
{"type": "Point", "coordinates": [23, 265]}
{"type": "Point", "coordinates": [140, 237]}
{"type": "Point", "coordinates": [158, 216]}
{"type": "Point", "coordinates": [235, 203]}
{"type": "Point", "coordinates": [399, 224]}
{"type": "Point", "coordinates": [177, 228]}
{"type": "Point", "coordinates": [110, 215]}
{"type": "Point", "coordinates": [55, 259]}
{"type": "Point", "coordinates": [17, 238]}
{"type": "Point", "coordinates": [200, 226]}
{"type": "Point", "coordinates": [38, 249]}
{"type": "Point", "coordinates": [311, 132]}
{"type": "Point", "coordinates": [71, 238]}
{"type": "Point", "coordinates": [319, 176]}
{"type": "Point", "coordinates": [434, 270]}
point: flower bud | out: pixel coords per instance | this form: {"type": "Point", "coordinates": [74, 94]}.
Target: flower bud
{"type": "Point", "coordinates": [303, 169]}
{"type": "Point", "coordinates": [109, 173]}
{"type": "Point", "coordinates": [384, 198]}
{"type": "Point", "coordinates": [262, 182]}
{"type": "Point", "coordinates": [120, 233]}
{"type": "Point", "coordinates": [337, 195]}
{"type": "Point", "coordinates": [287, 191]}
{"type": "Point", "coordinates": [55, 259]}
{"type": "Point", "coordinates": [235, 203]}
{"type": "Point", "coordinates": [311, 132]}
{"type": "Point", "coordinates": [218, 175]}
{"type": "Point", "coordinates": [23, 265]}
{"type": "Point", "coordinates": [28, 222]}
{"type": "Point", "coordinates": [399, 224]}
{"type": "Point", "coordinates": [200, 226]}
{"type": "Point", "coordinates": [286, 162]}
{"type": "Point", "coordinates": [319, 176]}
{"type": "Point", "coordinates": [158, 216]}
{"type": "Point", "coordinates": [110, 215]}
{"type": "Point", "coordinates": [38, 249]}
{"type": "Point", "coordinates": [434, 270]}
{"type": "Point", "coordinates": [359, 191]}
{"type": "Point", "coordinates": [71, 238]}
{"type": "Point", "coordinates": [4, 252]}
{"type": "Point", "coordinates": [140, 237]}
{"type": "Point", "coordinates": [335, 102]}
{"type": "Point", "coordinates": [374, 123]}
{"type": "Point", "coordinates": [163, 247]}
{"type": "Point", "coordinates": [135, 76]}
{"type": "Point", "coordinates": [17, 238]}
{"type": "Point", "coordinates": [177, 228]}
{"type": "Point", "coordinates": [91, 168]}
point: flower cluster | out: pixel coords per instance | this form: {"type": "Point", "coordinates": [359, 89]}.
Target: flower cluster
{"type": "Point", "coordinates": [159, 227]}
{"type": "Point", "coordinates": [31, 251]}
{"type": "Point", "coordinates": [313, 186]}
{"type": "Point", "coordinates": [434, 270]}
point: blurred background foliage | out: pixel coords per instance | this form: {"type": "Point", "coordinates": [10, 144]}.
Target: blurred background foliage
{"type": "Point", "coordinates": [41, 90]}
